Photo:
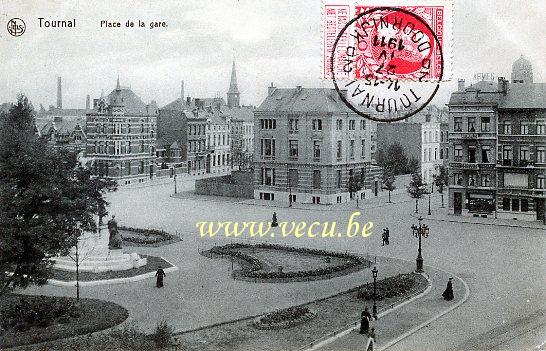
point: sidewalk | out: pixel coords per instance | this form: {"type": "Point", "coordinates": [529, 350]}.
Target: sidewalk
{"type": "Point", "coordinates": [441, 214]}
{"type": "Point", "coordinates": [396, 324]}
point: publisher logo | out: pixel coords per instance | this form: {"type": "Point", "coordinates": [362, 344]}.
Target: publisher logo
{"type": "Point", "coordinates": [16, 27]}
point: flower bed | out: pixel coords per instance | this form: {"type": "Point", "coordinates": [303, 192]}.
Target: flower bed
{"type": "Point", "coordinates": [252, 268]}
{"type": "Point", "coordinates": [388, 287]}
{"type": "Point", "coordinates": [146, 237]}
{"type": "Point", "coordinates": [285, 318]}
{"type": "Point", "coordinates": [33, 319]}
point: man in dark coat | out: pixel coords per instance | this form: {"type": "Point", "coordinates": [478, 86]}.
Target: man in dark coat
{"type": "Point", "coordinates": [387, 234]}
{"type": "Point", "coordinates": [448, 292]}
{"type": "Point", "coordinates": [365, 318]}
{"type": "Point", "coordinates": [159, 274]}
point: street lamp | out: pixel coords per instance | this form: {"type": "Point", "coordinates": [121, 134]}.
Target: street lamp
{"type": "Point", "coordinates": [289, 186]}
{"type": "Point", "coordinates": [430, 192]}
{"type": "Point", "coordinates": [374, 274]}
{"type": "Point", "coordinates": [418, 232]}
{"type": "Point", "coordinates": [175, 181]}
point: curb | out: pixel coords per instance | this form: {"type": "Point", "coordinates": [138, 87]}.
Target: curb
{"type": "Point", "coordinates": [424, 324]}
{"type": "Point", "coordinates": [382, 314]}
{"type": "Point", "coordinates": [136, 278]}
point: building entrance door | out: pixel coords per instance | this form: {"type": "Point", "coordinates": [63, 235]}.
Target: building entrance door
{"type": "Point", "coordinates": [541, 215]}
{"type": "Point", "coordinates": [207, 165]}
{"type": "Point", "coordinates": [457, 203]}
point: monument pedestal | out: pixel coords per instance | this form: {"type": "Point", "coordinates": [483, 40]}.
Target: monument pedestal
{"type": "Point", "coordinates": [95, 256]}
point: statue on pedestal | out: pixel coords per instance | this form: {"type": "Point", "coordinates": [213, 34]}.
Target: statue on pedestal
{"type": "Point", "coordinates": [114, 242]}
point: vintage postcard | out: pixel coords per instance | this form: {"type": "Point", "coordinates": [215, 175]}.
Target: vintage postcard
{"type": "Point", "coordinates": [273, 175]}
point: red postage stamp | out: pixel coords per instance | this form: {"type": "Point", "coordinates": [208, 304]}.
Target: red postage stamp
{"type": "Point", "coordinates": [398, 42]}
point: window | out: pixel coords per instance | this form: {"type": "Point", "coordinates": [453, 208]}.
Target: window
{"type": "Point", "coordinates": [268, 123]}
{"type": "Point", "coordinates": [458, 153]}
{"type": "Point", "coordinates": [435, 153]}
{"type": "Point", "coordinates": [541, 127]}
{"type": "Point", "coordinates": [486, 154]}
{"type": "Point", "coordinates": [293, 177]}
{"type": "Point", "coordinates": [268, 148]}
{"type": "Point", "coordinates": [472, 124]}
{"type": "Point", "coordinates": [472, 154]}
{"type": "Point", "coordinates": [507, 155]}
{"type": "Point", "coordinates": [316, 199]}
{"type": "Point", "coordinates": [338, 199]}
{"type": "Point", "coordinates": [352, 124]}
{"type": "Point", "coordinates": [293, 147]}
{"type": "Point", "coordinates": [457, 178]}
{"type": "Point", "coordinates": [352, 149]}
{"type": "Point", "coordinates": [339, 150]}
{"type": "Point", "coordinates": [507, 127]}
{"type": "Point", "coordinates": [339, 124]}
{"type": "Point", "coordinates": [541, 184]}
{"type": "Point", "coordinates": [317, 124]}
{"type": "Point", "coordinates": [505, 204]}
{"type": "Point", "coordinates": [524, 153]}
{"type": "Point", "coordinates": [472, 179]}
{"type": "Point", "coordinates": [363, 148]}
{"type": "Point", "coordinates": [486, 124]}
{"type": "Point", "coordinates": [293, 125]}
{"type": "Point", "coordinates": [458, 124]}
{"type": "Point", "coordinates": [515, 204]}
{"type": "Point", "coordinates": [524, 128]}
{"type": "Point", "coordinates": [268, 176]}
{"type": "Point", "coordinates": [524, 205]}
{"type": "Point", "coordinates": [362, 124]}
{"type": "Point", "coordinates": [441, 154]}
{"type": "Point", "coordinates": [486, 180]}
{"type": "Point", "coordinates": [316, 179]}
{"type": "Point", "coordinates": [541, 156]}
{"type": "Point", "coordinates": [338, 178]}
{"type": "Point", "coordinates": [316, 150]}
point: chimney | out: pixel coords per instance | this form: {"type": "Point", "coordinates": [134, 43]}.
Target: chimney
{"type": "Point", "coordinates": [182, 90]}
{"type": "Point", "coordinates": [59, 93]}
{"type": "Point", "coordinates": [188, 101]}
{"type": "Point", "coordinates": [502, 85]}
{"type": "Point", "coordinates": [271, 89]}
{"type": "Point", "coordinates": [88, 102]}
{"type": "Point", "coordinates": [460, 85]}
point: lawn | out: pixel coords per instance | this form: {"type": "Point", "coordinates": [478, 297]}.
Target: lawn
{"type": "Point", "coordinates": [146, 237]}
{"type": "Point", "coordinates": [89, 315]}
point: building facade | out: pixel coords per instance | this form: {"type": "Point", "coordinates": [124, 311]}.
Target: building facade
{"type": "Point", "coordinates": [497, 139]}
{"type": "Point", "coordinates": [121, 134]}
{"type": "Point", "coordinates": [308, 145]}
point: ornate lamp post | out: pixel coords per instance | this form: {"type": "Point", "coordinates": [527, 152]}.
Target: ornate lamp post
{"type": "Point", "coordinates": [289, 186]}
{"type": "Point", "coordinates": [374, 309]}
{"type": "Point", "coordinates": [418, 232]}
{"type": "Point", "coordinates": [175, 181]}
{"type": "Point", "coordinates": [430, 192]}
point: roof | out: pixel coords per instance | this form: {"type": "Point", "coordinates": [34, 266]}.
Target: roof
{"type": "Point", "coordinates": [64, 112]}
{"type": "Point", "coordinates": [181, 104]}
{"type": "Point", "coordinates": [480, 93]}
{"type": "Point", "coordinates": [66, 126]}
{"type": "Point", "coordinates": [525, 96]}
{"type": "Point", "coordinates": [244, 113]}
{"type": "Point", "coordinates": [133, 104]}
{"type": "Point", "coordinates": [303, 100]}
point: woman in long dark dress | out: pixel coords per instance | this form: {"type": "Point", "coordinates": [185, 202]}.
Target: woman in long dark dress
{"type": "Point", "coordinates": [159, 281]}
{"type": "Point", "coordinates": [448, 292]}
{"type": "Point", "coordinates": [365, 317]}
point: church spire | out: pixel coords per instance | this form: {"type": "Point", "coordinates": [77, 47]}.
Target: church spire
{"type": "Point", "coordinates": [233, 92]}
{"type": "Point", "coordinates": [117, 84]}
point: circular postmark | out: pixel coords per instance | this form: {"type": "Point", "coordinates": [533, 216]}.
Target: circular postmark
{"type": "Point", "coordinates": [16, 27]}
{"type": "Point", "coordinates": [395, 56]}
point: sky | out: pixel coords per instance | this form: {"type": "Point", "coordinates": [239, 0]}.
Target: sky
{"type": "Point", "coordinates": [270, 41]}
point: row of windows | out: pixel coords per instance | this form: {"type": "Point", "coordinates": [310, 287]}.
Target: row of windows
{"type": "Point", "coordinates": [430, 137]}
{"type": "Point", "coordinates": [515, 205]}
{"type": "Point", "coordinates": [220, 160]}
{"type": "Point", "coordinates": [471, 126]}
{"type": "Point", "coordinates": [352, 124]}
{"type": "Point", "coordinates": [471, 154]}
{"type": "Point", "coordinates": [118, 147]}
{"type": "Point", "coordinates": [198, 129]}
{"type": "Point", "coordinates": [196, 145]}
{"type": "Point", "coordinates": [216, 140]}
{"type": "Point", "coordinates": [539, 128]}
{"type": "Point", "coordinates": [267, 149]}
{"type": "Point", "coordinates": [473, 179]}
{"type": "Point", "coordinates": [268, 177]}
{"type": "Point", "coordinates": [242, 129]}
{"type": "Point", "coordinates": [339, 152]}
{"type": "Point", "coordinates": [509, 180]}
{"type": "Point", "coordinates": [524, 153]}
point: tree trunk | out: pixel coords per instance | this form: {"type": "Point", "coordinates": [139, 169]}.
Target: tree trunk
{"type": "Point", "coordinates": [442, 200]}
{"type": "Point", "coordinates": [389, 196]}
{"type": "Point", "coordinates": [416, 209]}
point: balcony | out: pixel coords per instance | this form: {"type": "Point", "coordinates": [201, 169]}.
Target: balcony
{"type": "Point", "coordinates": [464, 165]}
{"type": "Point", "coordinates": [516, 163]}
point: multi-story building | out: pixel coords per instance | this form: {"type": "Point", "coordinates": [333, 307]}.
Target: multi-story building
{"type": "Point", "coordinates": [218, 140]}
{"type": "Point", "coordinates": [63, 133]}
{"type": "Point", "coordinates": [497, 141]}
{"type": "Point", "coordinates": [308, 145]}
{"type": "Point", "coordinates": [121, 134]}
{"type": "Point", "coordinates": [242, 136]}
{"type": "Point", "coordinates": [431, 146]}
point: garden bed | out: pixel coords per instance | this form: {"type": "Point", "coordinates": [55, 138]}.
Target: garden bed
{"type": "Point", "coordinates": [146, 237]}
{"type": "Point", "coordinates": [388, 287]}
{"type": "Point", "coordinates": [273, 263]}
{"type": "Point", "coordinates": [28, 319]}
{"type": "Point", "coordinates": [152, 264]}
{"type": "Point", "coordinates": [332, 314]}
{"type": "Point", "coordinates": [285, 318]}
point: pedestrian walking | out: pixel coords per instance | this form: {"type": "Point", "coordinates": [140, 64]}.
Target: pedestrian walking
{"type": "Point", "coordinates": [384, 237]}
{"type": "Point", "coordinates": [371, 334]}
{"type": "Point", "coordinates": [160, 274]}
{"type": "Point", "coordinates": [448, 292]}
{"type": "Point", "coordinates": [274, 222]}
{"type": "Point", "coordinates": [387, 235]}
{"type": "Point", "coordinates": [365, 318]}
